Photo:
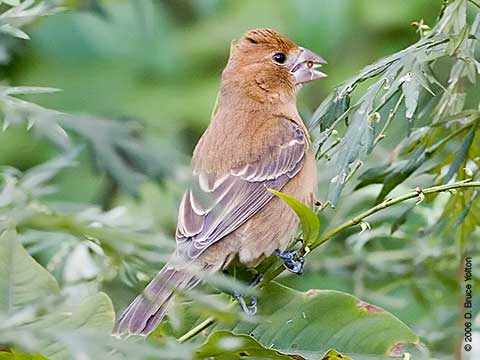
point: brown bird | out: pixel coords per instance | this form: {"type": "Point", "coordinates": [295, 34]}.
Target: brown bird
{"type": "Point", "coordinates": [255, 141]}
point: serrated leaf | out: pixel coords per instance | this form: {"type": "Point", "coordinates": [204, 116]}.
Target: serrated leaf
{"type": "Point", "coordinates": [26, 90]}
{"type": "Point", "coordinates": [430, 75]}
{"type": "Point", "coordinates": [330, 110]}
{"type": "Point", "coordinates": [39, 175]}
{"type": "Point", "coordinates": [23, 280]}
{"type": "Point", "coordinates": [13, 31]}
{"type": "Point", "coordinates": [461, 155]}
{"type": "Point", "coordinates": [355, 145]}
{"type": "Point", "coordinates": [371, 71]}
{"type": "Point", "coordinates": [308, 219]}
{"type": "Point", "coordinates": [11, 2]}
{"type": "Point", "coordinates": [411, 91]}
{"type": "Point", "coordinates": [118, 151]}
{"type": "Point", "coordinates": [375, 175]}
{"type": "Point", "coordinates": [410, 143]}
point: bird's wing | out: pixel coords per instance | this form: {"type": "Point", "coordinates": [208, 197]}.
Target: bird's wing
{"type": "Point", "coordinates": [222, 203]}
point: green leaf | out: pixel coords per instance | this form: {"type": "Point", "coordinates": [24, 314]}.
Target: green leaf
{"type": "Point", "coordinates": [225, 345]}
{"type": "Point", "coordinates": [401, 171]}
{"type": "Point", "coordinates": [471, 225]}
{"type": "Point", "coordinates": [410, 143]}
{"type": "Point", "coordinates": [95, 314]}
{"type": "Point", "coordinates": [461, 155]}
{"type": "Point", "coordinates": [23, 280]}
{"type": "Point", "coordinates": [38, 177]}
{"type": "Point", "coordinates": [355, 145]}
{"type": "Point", "coordinates": [330, 110]}
{"type": "Point", "coordinates": [318, 320]}
{"type": "Point", "coordinates": [402, 219]}
{"type": "Point", "coordinates": [26, 90]}
{"type": "Point", "coordinates": [334, 355]}
{"type": "Point", "coordinates": [411, 90]}
{"type": "Point", "coordinates": [13, 31]}
{"type": "Point", "coordinates": [308, 219]}
{"type": "Point", "coordinates": [374, 175]}
{"type": "Point", "coordinates": [118, 151]}
{"type": "Point", "coordinates": [13, 355]}
{"type": "Point", "coordinates": [11, 2]}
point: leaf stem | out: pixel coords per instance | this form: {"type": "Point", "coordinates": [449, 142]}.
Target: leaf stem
{"type": "Point", "coordinates": [391, 115]}
{"type": "Point", "coordinates": [196, 330]}
{"type": "Point", "coordinates": [325, 152]}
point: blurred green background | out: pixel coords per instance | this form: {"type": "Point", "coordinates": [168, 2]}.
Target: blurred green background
{"type": "Point", "coordinates": [157, 64]}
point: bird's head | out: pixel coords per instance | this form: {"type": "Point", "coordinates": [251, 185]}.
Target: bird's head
{"type": "Point", "coordinates": [269, 65]}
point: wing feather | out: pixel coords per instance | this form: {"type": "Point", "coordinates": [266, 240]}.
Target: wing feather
{"type": "Point", "coordinates": [222, 203]}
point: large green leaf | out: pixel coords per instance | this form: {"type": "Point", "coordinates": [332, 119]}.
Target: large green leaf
{"type": "Point", "coordinates": [94, 315]}
{"type": "Point", "coordinates": [318, 320]}
{"type": "Point", "coordinates": [229, 346]}
{"type": "Point", "coordinates": [308, 219]}
{"type": "Point", "coordinates": [13, 355]}
{"type": "Point", "coordinates": [23, 280]}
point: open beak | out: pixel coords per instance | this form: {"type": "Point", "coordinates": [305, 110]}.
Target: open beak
{"type": "Point", "coordinates": [306, 67]}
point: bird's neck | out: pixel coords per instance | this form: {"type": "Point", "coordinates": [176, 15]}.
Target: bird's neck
{"type": "Point", "coordinates": [245, 97]}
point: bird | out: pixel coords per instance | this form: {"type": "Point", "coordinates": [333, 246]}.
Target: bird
{"type": "Point", "coordinates": [256, 141]}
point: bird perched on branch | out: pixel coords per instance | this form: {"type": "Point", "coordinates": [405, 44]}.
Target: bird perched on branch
{"type": "Point", "coordinates": [256, 140]}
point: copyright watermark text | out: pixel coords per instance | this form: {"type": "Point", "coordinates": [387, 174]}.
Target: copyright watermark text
{"type": "Point", "coordinates": [467, 315]}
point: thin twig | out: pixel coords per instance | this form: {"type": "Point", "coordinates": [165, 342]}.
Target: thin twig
{"type": "Point", "coordinates": [390, 202]}
{"type": "Point", "coordinates": [332, 145]}
{"type": "Point", "coordinates": [196, 330]}
{"type": "Point", "coordinates": [391, 115]}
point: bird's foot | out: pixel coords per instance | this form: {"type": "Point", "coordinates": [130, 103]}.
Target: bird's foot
{"type": "Point", "coordinates": [291, 260]}
{"type": "Point", "coordinates": [256, 280]}
{"type": "Point", "coordinates": [247, 309]}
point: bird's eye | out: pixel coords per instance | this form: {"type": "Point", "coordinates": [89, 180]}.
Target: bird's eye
{"type": "Point", "coordinates": [279, 58]}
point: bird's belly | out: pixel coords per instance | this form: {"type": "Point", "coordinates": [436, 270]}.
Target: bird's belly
{"type": "Point", "coordinates": [271, 228]}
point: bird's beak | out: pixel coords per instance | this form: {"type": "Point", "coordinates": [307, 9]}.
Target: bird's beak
{"type": "Point", "coordinates": [305, 67]}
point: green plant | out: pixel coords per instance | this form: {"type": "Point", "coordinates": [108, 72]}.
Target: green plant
{"type": "Point", "coordinates": [425, 93]}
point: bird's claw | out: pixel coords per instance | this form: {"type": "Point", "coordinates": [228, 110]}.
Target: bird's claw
{"type": "Point", "coordinates": [247, 309]}
{"type": "Point", "coordinates": [291, 260]}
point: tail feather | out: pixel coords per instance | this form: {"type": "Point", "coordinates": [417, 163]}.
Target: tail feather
{"type": "Point", "coordinates": [144, 314]}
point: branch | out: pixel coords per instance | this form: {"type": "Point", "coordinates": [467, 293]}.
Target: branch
{"type": "Point", "coordinates": [390, 202]}
{"type": "Point", "coordinates": [417, 193]}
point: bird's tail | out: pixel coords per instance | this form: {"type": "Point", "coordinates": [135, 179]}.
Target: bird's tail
{"type": "Point", "coordinates": [144, 314]}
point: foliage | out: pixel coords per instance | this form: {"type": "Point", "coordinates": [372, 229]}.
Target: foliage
{"type": "Point", "coordinates": [309, 220]}
{"type": "Point", "coordinates": [406, 77]}
{"type": "Point", "coordinates": [64, 262]}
